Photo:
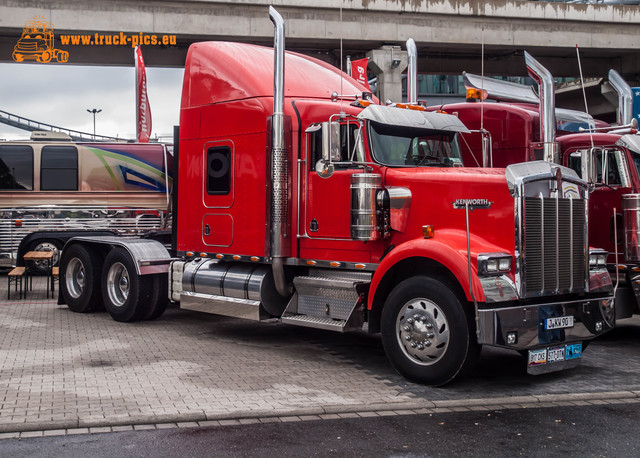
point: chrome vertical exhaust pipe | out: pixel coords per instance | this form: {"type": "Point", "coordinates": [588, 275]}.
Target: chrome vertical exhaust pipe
{"type": "Point", "coordinates": [624, 113]}
{"type": "Point", "coordinates": [547, 107]}
{"type": "Point", "coordinates": [412, 72]}
{"type": "Point", "coordinates": [279, 190]}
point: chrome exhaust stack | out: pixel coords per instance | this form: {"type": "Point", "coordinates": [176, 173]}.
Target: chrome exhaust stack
{"type": "Point", "coordinates": [279, 242]}
{"type": "Point", "coordinates": [412, 72]}
{"type": "Point", "coordinates": [547, 107]}
{"type": "Point", "coordinates": [624, 113]}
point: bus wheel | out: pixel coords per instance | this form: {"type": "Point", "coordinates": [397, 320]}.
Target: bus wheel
{"type": "Point", "coordinates": [159, 297]}
{"type": "Point", "coordinates": [41, 267]}
{"type": "Point", "coordinates": [124, 292]}
{"type": "Point", "coordinates": [79, 273]}
{"type": "Point", "coordinates": [426, 333]}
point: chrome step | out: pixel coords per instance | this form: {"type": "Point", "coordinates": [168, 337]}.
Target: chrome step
{"type": "Point", "coordinates": [316, 322]}
{"type": "Point", "coordinates": [327, 303]}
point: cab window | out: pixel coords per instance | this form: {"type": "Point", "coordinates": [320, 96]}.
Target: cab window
{"type": "Point", "coordinates": [16, 167]}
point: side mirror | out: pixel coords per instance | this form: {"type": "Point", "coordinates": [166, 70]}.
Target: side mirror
{"type": "Point", "coordinates": [589, 165]}
{"type": "Point", "coordinates": [331, 142]}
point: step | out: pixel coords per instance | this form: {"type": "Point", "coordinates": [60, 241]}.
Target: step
{"type": "Point", "coordinates": [316, 322]}
{"type": "Point", "coordinates": [326, 297]}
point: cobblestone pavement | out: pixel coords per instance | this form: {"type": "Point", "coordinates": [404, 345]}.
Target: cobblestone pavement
{"type": "Point", "coordinates": [62, 370]}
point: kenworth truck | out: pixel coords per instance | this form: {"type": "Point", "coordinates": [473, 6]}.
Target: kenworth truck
{"type": "Point", "coordinates": [329, 211]}
{"type": "Point", "coordinates": [524, 126]}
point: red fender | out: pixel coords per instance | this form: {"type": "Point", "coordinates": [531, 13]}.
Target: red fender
{"type": "Point", "coordinates": [448, 249]}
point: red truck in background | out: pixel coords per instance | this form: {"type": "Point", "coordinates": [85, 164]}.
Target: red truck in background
{"type": "Point", "coordinates": [523, 126]}
{"type": "Point", "coordinates": [330, 211]}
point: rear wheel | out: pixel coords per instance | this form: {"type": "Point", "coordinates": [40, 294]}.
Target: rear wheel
{"type": "Point", "coordinates": [79, 273]}
{"type": "Point", "coordinates": [426, 333]}
{"type": "Point", "coordinates": [41, 267]}
{"type": "Point", "coordinates": [125, 293]}
{"type": "Point", "coordinates": [158, 298]}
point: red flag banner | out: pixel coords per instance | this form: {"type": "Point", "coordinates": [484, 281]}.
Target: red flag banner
{"type": "Point", "coordinates": [359, 71]}
{"type": "Point", "coordinates": [143, 110]}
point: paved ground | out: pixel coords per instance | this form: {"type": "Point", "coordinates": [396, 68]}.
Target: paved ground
{"type": "Point", "coordinates": [65, 371]}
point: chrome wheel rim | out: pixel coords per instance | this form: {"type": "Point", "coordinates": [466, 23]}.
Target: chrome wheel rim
{"type": "Point", "coordinates": [46, 246]}
{"type": "Point", "coordinates": [423, 331]}
{"type": "Point", "coordinates": [75, 278]}
{"type": "Point", "coordinates": [118, 283]}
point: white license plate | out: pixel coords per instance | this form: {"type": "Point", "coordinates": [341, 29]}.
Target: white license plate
{"type": "Point", "coordinates": [555, 354]}
{"type": "Point", "coordinates": [559, 322]}
{"type": "Point", "coordinates": [537, 357]}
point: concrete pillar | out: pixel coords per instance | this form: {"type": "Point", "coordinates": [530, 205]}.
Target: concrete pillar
{"type": "Point", "coordinates": [388, 63]}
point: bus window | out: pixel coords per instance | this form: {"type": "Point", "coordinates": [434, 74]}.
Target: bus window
{"type": "Point", "coordinates": [16, 167]}
{"type": "Point", "coordinates": [59, 168]}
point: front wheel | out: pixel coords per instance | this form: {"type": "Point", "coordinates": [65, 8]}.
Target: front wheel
{"type": "Point", "coordinates": [124, 292]}
{"type": "Point", "coordinates": [426, 333]}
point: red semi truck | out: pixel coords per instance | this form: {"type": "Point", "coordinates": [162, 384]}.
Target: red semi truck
{"type": "Point", "coordinates": [524, 126]}
{"type": "Point", "coordinates": [334, 212]}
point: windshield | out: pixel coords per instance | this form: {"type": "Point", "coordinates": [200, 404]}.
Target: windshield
{"type": "Point", "coordinates": [411, 147]}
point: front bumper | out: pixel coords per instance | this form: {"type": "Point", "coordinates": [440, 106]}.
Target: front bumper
{"type": "Point", "coordinates": [592, 316]}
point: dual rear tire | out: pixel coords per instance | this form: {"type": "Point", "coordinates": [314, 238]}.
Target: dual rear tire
{"type": "Point", "coordinates": [87, 284]}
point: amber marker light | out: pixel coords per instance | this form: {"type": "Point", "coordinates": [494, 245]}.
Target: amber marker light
{"type": "Point", "coordinates": [219, 256]}
{"type": "Point", "coordinates": [360, 266]}
{"type": "Point", "coordinates": [311, 263]}
{"type": "Point", "coordinates": [334, 264]}
{"type": "Point", "coordinates": [476, 94]}
{"type": "Point", "coordinates": [189, 254]}
{"type": "Point", "coordinates": [203, 255]}
{"type": "Point", "coordinates": [236, 257]}
{"type": "Point", "coordinates": [255, 258]}
{"type": "Point", "coordinates": [428, 231]}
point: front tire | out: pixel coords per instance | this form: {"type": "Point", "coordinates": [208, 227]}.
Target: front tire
{"type": "Point", "coordinates": [79, 273]}
{"type": "Point", "coordinates": [426, 333]}
{"type": "Point", "coordinates": [124, 292]}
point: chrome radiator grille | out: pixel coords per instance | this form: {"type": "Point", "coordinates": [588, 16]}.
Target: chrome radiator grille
{"type": "Point", "coordinates": [554, 245]}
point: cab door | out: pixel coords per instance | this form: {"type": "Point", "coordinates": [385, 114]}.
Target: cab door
{"type": "Point", "coordinates": [325, 220]}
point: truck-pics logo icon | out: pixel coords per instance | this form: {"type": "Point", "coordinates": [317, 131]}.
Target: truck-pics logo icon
{"type": "Point", "coordinates": [37, 43]}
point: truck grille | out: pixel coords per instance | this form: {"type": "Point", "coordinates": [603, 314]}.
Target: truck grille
{"type": "Point", "coordinates": [554, 245]}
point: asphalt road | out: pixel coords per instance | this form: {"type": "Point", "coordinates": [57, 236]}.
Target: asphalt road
{"type": "Point", "coordinates": [610, 431]}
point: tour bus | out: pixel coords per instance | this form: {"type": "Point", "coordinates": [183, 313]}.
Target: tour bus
{"type": "Point", "coordinates": [49, 186]}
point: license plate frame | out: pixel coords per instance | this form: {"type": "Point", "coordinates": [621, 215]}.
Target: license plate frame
{"type": "Point", "coordinates": [554, 354]}
{"type": "Point", "coordinates": [559, 322]}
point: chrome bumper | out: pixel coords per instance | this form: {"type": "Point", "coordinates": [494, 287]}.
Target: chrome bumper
{"type": "Point", "coordinates": [527, 322]}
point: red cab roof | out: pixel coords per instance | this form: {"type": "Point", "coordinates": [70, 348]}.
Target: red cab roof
{"type": "Point", "coordinates": [218, 71]}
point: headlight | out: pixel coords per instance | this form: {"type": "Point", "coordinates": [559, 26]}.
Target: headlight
{"type": "Point", "coordinates": [494, 263]}
{"type": "Point", "coordinates": [597, 258]}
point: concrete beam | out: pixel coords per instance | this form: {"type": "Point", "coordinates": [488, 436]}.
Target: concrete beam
{"type": "Point", "coordinates": [388, 63]}
{"type": "Point", "coordinates": [448, 33]}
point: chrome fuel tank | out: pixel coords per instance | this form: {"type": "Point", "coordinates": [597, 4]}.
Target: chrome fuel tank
{"type": "Point", "coordinates": [218, 279]}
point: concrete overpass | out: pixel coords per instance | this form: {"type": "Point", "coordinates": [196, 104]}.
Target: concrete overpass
{"type": "Point", "coordinates": [448, 33]}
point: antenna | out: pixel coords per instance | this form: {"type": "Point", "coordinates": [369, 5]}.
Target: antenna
{"type": "Point", "coordinates": [342, 114]}
{"type": "Point", "coordinates": [584, 94]}
{"type": "Point", "coordinates": [482, 74]}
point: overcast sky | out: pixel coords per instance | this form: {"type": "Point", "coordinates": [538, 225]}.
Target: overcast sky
{"type": "Point", "coordinates": [61, 94]}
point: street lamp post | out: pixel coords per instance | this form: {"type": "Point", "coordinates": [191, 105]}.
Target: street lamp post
{"type": "Point", "coordinates": [94, 112]}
